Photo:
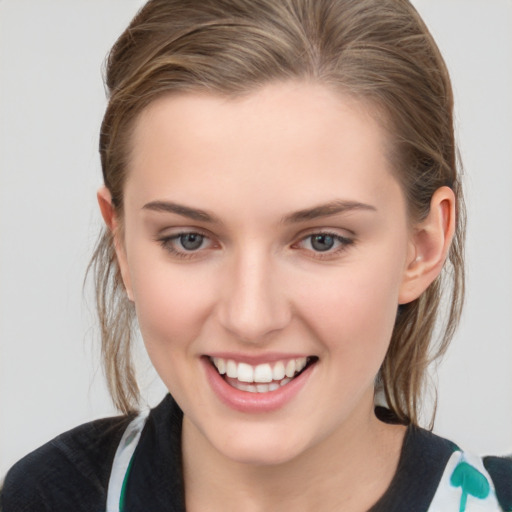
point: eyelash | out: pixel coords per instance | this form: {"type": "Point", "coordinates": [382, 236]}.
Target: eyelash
{"type": "Point", "coordinates": [344, 242]}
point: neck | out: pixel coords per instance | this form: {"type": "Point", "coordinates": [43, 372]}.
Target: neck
{"type": "Point", "coordinates": [349, 470]}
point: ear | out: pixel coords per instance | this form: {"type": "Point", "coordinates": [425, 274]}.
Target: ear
{"type": "Point", "coordinates": [108, 212]}
{"type": "Point", "coordinates": [429, 245]}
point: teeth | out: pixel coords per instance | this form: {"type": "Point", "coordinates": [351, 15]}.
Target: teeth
{"type": "Point", "coordinates": [245, 373]}
{"type": "Point", "coordinates": [290, 368]}
{"type": "Point", "coordinates": [259, 388]}
{"type": "Point", "coordinates": [246, 387]}
{"type": "Point", "coordinates": [263, 373]}
{"type": "Point", "coordinates": [220, 364]}
{"type": "Point", "coordinates": [279, 372]}
{"type": "Point", "coordinates": [300, 364]}
{"type": "Point", "coordinates": [231, 369]}
{"type": "Point", "coordinates": [266, 376]}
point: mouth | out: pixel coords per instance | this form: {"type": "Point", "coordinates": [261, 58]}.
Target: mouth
{"type": "Point", "coordinates": [261, 378]}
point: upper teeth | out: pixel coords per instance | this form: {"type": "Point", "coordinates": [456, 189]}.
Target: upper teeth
{"type": "Point", "coordinates": [263, 373]}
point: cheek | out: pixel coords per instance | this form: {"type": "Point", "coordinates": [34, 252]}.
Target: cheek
{"type": "Point", "coordinates": [354, 309]}
{"type": "Point", "coordinates": [172, 303]}
{"type": "Point", "coordinates": [172, 307]}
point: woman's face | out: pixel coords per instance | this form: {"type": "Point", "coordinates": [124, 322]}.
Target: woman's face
{"type": "Point", "coordinates": [262, 234]}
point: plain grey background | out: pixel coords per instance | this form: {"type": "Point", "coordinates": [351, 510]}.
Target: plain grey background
{"type": "Point", "coordinates": [51, 104]}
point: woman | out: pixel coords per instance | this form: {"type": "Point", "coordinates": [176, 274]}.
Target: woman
{"type": "Point", "coordinates": [283, 211]}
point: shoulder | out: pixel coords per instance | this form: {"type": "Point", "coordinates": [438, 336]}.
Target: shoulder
{"type": "Point", "coordinates": [70, 472]}
{"type": "Point", "coordinates": [434, 474]}
{"type": "Point", "coordinates": [500, 471]}
{"type": "Point", "coordinates": [474, 481]}
{"type": "Point", "coordinates": [420, 468]}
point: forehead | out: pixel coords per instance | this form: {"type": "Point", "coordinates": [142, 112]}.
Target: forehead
{"type": "Point", "coordinates": [285, 141]}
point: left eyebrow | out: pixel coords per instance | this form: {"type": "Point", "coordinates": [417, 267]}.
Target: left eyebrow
{"type": "Point", "coordinates": [325, 210]}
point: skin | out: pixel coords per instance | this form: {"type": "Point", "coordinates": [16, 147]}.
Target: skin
{"type": "Point", "coordinates": [257, 287]}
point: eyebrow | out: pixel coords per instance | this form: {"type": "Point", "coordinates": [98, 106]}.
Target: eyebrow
{"type": "Point", "coordinates": [184, 211]}
{"type": "Point", "coordinates": [325, 210]}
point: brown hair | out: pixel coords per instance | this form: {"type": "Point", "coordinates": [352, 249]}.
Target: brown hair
{"type": "Point", "coordinates": [377, 50]}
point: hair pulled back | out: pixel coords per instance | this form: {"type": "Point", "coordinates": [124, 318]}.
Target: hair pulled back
{"type": "Point", "coordinates": [378, 51]}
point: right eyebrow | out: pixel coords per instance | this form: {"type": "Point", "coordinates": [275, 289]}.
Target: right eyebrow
{"type": "Point", "coordinates": [180, 209]}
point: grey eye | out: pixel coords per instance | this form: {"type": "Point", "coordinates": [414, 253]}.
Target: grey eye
{"type": "Point", "coordinates": [322, 243]}
{"type": "Point", "coordinates": [191, 241]}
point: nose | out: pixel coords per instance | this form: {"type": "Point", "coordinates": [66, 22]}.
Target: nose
{"type": "Point", "coordinates": [254, 304]}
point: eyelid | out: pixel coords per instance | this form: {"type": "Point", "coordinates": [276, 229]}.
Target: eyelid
{"type": "Point", "coordinates": [345, 235]}
{"type": "Point", "coordinates": [169, 231]}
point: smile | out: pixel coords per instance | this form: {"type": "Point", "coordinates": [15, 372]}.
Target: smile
{"type": "Point", "coordinates": [261, 378]}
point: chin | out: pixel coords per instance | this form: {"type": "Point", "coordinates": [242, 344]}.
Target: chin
{"type": "Point", "coordinates": [268, 448]}
{"type": "Point", "coordinates": [261, 456]}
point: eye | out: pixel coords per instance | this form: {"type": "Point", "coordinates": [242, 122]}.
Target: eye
{"type": "Point", "coordinates": [186, 244]}
{"type": "Point", "coordinates": [322, 242]}
{"type": "Point", "coordinates": [326, 243]}
{"type": "Point", "coordinates": [191, 241]}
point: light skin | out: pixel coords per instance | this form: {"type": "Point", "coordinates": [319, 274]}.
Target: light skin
{"type": "Point", "coordinates": [302, 246]}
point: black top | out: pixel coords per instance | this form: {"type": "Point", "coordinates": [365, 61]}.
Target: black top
{"type": "Point", "coordinates": [71, 472]}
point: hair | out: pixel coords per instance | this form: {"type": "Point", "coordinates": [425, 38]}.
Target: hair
{"type": "Point", "coordinates": [377, 51]}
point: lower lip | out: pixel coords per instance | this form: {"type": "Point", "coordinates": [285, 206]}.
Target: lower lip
{"type": "Point", "coordinates": [244, 401]}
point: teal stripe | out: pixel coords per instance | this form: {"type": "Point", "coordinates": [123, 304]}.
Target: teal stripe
{"type": "Point", "coordinates": [123, 488]}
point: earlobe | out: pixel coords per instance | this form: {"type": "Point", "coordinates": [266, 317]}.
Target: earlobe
{"type": "Point", "coordinates": [430, 243]}
{"type": "Point", "coordinates": [109, 215]}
